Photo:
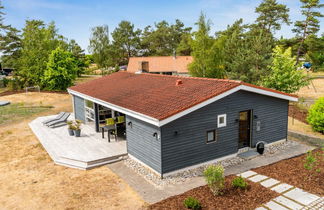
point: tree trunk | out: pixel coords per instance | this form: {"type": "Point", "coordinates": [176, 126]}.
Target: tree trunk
{"type": "Point", "coordinates": [303, 39]}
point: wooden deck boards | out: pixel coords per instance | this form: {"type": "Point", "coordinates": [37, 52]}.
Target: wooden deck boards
{"type": "Point", "coordinates": [84, 152]}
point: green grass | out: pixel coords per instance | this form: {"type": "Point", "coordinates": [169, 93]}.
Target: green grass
{"type": "Point", "coordinates": [16, 112]}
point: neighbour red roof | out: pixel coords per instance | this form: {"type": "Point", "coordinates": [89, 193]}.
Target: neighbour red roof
{"type": "Point", "coordinates": [157, 96]}
{"type": "Point", "coordinates": [161, 63]}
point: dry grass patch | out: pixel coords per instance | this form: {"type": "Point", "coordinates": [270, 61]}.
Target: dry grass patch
{"type": "Point", "coordinates": [296, 125]}
{"type": "Point", "coordinates": [309, 91]}
{"type": "Point", "coordinates": [30, 179]}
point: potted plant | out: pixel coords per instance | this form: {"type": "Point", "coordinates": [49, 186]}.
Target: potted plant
{"type": "Point", "coordinates": [77, 128]}
{"type": "Point", "coordinates": [70, 128]}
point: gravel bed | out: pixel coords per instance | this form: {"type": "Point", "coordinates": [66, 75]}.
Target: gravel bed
{"type": "Point", "coordinates": [185, 175]}
{"type": "Point", "coordinates": [272, 149]}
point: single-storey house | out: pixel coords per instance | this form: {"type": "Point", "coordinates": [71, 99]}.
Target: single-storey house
{"type": "Point", "coordinates": [174, 122]}
{"type": "Point", "coordinates": [167, 65]}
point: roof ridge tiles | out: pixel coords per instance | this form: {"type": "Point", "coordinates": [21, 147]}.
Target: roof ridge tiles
{"type": "Point", "coordinates": [186, 77]}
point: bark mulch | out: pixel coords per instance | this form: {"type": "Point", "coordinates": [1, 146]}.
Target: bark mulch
{"type": "Point", "coordinates": [11, 92]}
{"type": "Point", "coordinates": [231, 199]}
{"type": "Point", "coordinates": [298, 113]}
{"type": "Point", "coordinates": [292, 171]}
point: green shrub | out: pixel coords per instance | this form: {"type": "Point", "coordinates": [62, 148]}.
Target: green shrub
{"type": "Point", "coordinates": [316, 115]}
{"type": "Point", "coordinates": [14, 84]}
{"type": "Point", "coordinates": [239, 182]}
{"type": "Point", "coordinates": [214, 176]}
{"type": "Point", "coordinates": [312, 161]}
{"type": "Point", "coordinates": [192, 203]}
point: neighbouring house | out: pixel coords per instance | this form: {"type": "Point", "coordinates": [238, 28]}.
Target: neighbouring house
{"type": "Point", "coordinates": [167, 65]}
{"type": "Point", "coordinates": [173, 123]}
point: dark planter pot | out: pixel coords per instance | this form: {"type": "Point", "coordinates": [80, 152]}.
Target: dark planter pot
{"type": "Point", "coordinates": [77, 133]}
{"type": "Point", "coordinates": [71, 133]}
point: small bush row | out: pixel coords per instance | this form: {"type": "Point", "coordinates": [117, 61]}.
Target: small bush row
{"type": "Point", "coordinates": [214, 176]}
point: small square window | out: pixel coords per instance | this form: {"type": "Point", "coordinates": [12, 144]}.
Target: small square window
{"type": "Point", "coordinates": [221, 120]}
{"type": "Point", "coordinates": [211, 136]}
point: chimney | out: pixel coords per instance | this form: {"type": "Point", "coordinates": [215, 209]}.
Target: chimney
{"type": "Point", "coordinates": [174, 54]}
{"type": "Point", "coordinates": [178, 82]}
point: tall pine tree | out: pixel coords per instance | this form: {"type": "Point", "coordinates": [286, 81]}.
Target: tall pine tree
{"type": "Point", "coordinates": [272, 15]}
{"type": "Point", "coordinates": [308, 26]}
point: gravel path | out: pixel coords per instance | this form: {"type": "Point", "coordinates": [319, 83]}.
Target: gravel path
{"type": "Point", "coordinates": [188, 174]}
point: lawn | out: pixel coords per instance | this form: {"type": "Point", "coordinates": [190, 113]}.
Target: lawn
{"type": "Point", "coordinates": [86, 78]}
{"type": "Point", "coordinates": [296, 125]}
{"type": "Point", "coordinates": [15, 112]}
{"type": "Point", "coordinates": [30, 179]}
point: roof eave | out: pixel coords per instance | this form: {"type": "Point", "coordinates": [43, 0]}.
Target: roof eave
{"type": "Point", "coordinates": [117, 108]}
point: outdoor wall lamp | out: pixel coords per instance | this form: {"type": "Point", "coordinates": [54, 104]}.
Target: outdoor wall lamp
{"type": "Point", "coordinates": [255, 116]}
{"type": "Point", "coordinates": [130, 124]}
{"type": "Point", "coordinates": [236, 120]}
{"type": "Point", "coordinates": [175, 133]}
{"type": "Point", "coordinates": [155, 135]}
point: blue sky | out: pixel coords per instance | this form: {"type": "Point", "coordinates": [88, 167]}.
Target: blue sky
{"type": "Point", "coordinates": [74, 18]}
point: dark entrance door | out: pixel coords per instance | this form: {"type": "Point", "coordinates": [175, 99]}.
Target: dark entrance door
{"type": "Point", "coordinates": [244, 129]}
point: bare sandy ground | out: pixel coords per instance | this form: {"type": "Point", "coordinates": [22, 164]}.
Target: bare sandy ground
{"type": "Point", "coordinates": [30, 180]}
{"type": "Point", "coordinates": [309, 91]}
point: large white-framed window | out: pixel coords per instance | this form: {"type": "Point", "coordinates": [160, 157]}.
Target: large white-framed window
{"type": "Point", "coordinates": [221, 120]}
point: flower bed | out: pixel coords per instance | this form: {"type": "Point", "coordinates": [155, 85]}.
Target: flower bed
{"type": "Point", "coordinates": [232, 198]}
{"type": "Point", "coordinates": [292, 171]}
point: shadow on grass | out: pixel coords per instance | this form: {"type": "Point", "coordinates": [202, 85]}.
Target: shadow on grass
{"type": "Point", "coordinates": [15, 112]}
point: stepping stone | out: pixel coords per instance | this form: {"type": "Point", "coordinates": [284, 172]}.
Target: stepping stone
{"type": "Point", "coordinates": [287, 202]}
{"type": "Point", "coordinates": [269, 182]}
{"type": "Point", "coordinates": [274, 206]}
{"type": "Point", "coordinates": [281, 188]}
{"type": "Point", "coordinates": [249, 155]}
{"type": "Point", "coordinates": [258, 178]}
{"type": "Point", "coordinates": [301, 196]}
{"type": "Point", "coordinates": [247, 174]}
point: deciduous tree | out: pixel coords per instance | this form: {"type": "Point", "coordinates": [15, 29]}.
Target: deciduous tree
{"type": "Point", "coordinates": [284, 75]}
{"type": "Point", "coordinates": [61, 70]}
{"type": "Point", "coordinates": [38, 41]}
{"type": "Point", "coordinates": [100, 47]}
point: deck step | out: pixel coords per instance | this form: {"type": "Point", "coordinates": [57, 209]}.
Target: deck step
{"type": "Point", "coordinates": [52, 142]}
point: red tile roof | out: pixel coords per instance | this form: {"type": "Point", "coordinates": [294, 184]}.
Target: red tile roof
{"type": "Point", "coordinates": [161, 63]}
{"type": "Point", "coordinates": [156, 96]}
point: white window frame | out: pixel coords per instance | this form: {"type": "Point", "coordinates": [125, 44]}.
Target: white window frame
{"type": "Point", "coordinates": [220, 125]}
